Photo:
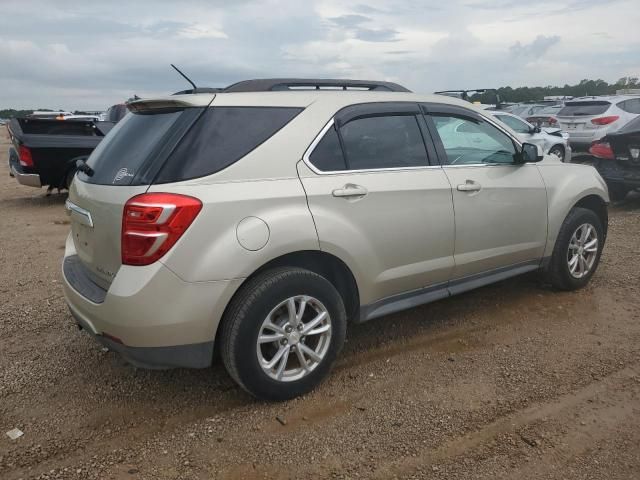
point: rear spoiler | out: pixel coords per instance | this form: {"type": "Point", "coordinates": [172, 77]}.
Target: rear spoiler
{"type": "Point", "coordinates": [165, 103]}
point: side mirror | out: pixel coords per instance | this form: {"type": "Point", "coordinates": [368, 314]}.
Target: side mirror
{"type": "Point", "coordinates": [530, 153]}
{"type": "Point", "coordinates": [535, 129]}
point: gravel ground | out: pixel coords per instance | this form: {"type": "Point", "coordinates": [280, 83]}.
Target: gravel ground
{"type": "Point", "coordinates": [510, 381]}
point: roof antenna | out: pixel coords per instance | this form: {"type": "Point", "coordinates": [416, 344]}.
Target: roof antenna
{"type": "Point", "coordinates": [185, 77]}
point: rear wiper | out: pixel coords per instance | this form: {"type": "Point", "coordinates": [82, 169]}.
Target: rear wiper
{"type": "Point", "coordinates": [81, 166]}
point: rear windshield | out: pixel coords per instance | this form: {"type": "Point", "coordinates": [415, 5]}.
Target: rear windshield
{"type": "Point", "coordinates": [125, 149]}
{"type": "Point", "coordinates": [575, 109]}
{"type": "Point", "coordinates": [164, 147]}
{"type": "Point", "coordinates": [221, 137]}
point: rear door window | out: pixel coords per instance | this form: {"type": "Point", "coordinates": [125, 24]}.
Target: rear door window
{"type": "Point", "coordinates": [576, 109]}
{"type": "Point", "coordinates": [222, 136]}
{"type": "Point", "coordinates": [389, 141]}
{"type": "Point", "coordinates": [328, 156]}
{"type": "Point", "coordinates": [122, 153]}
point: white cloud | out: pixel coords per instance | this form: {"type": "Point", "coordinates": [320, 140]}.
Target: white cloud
{"type": "Point", "coordinates": [79, 54]}
{"type": "Point", "coordinates": [197, 30]}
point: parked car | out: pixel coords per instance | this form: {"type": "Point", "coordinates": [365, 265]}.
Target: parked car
{"type": "Point", "coordinates": [261, 220]}
{"type": "Point", "coordinates": [588, 119]}
{"type": "Point", "coordinates": [546, 117]}
{"type": "Point", "coordinates": [618, 159]}
{"type": "Point", "coordinates": [44, 152]}
{"type": "Point", "coordinates": [525, 110]}
{"type": "Point", "coordinates": [552, 141]}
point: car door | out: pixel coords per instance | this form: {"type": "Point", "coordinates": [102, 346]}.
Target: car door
{"type": "Point", "coordinates": [500, 205]}
{"type": "Point", "coordinates": [377, 202]}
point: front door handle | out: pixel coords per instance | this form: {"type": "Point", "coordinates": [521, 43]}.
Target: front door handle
{"type": "Point", "coordinates": [350, 190]}
{"type": "Point", "coordinates": [469, 186]}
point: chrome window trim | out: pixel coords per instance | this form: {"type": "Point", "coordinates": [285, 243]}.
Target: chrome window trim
{"type": "Point", "coordinates": [307, 154]}
{"type": "Point", "coordinates": [307, 160]}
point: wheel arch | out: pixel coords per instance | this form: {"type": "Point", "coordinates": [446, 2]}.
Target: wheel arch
{"type": "Point", "coordinates": [596, 204]}
{"type": "Point", "coordinates": [325, 264]}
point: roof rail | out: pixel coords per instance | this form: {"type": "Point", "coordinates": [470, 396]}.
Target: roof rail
{"type": "Point", "coordinates": [280, 84]}
{"type": "Point", "coordinates": [199, 90]}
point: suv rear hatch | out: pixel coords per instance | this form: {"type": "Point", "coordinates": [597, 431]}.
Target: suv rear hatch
{"type": "Point", "coordinates": [123, 165]}
{"type": "Point", "coordinates": [577, 116]}
{"type": "Point", "coordinates": [159, 142]}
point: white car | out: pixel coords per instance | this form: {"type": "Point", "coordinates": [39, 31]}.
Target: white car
{"type": "Point", "coordinates": [553, 141]}
{"type": "Point", "coordinates": [588, 119]}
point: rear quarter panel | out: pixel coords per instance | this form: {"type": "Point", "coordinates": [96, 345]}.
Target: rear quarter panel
{"type": "Point", "coordinates": [566, 185]}
{"type": "Point", "coordinates": [211, 249]}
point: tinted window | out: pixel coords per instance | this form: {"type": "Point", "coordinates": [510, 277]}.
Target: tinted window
{"type": "Point", "coordinates": [327, 156]}
{"type": "Point", "coordinates": [632, 126]}
{"type": "Point", "coordinates": [514, 123]}
{"type": "Point", "coordinates": [630, 106]}
{"type": "Point", "coordinates": [124, 150]}
{"type": "Point", "coordinates": [221, 137]}
{"type": "Point", "coordinates": [575, 109]}
{"type": "Point", "coordinates": [470, 141]}
{"type": "Point", "coordinates": [392, 141]}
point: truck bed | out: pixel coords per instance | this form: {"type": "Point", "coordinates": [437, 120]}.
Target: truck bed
{"type": "Point", "coordinates": [53, 145]}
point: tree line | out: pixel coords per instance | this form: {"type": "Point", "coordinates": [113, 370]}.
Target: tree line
{"type": "Point", "coordinates": [583, 88]}
{"type": "Point", "coordinates": [507, 94]}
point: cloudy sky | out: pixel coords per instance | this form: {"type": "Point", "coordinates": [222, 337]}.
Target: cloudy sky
{"type": "Point", "coordinates": [90, 54]}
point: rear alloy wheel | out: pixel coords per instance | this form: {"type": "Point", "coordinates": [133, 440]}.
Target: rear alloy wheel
{"type": "Point", "coordinates": [577, 250]}
{"type": "Point", "coordinates": [282, 332]}
{"type": "Point", "coordinates": [294, 338]}
{"type": "Point", "coordinates": [558, 151]}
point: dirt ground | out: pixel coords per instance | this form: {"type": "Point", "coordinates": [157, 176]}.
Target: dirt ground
{"type": "Point", "coordinates": [512, 381]}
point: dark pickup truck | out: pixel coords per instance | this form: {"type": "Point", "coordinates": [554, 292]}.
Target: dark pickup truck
{"type": "Point", "coordinates": [44, 152]}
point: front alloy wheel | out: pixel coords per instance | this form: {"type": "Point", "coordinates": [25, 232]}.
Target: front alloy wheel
{"type": "Point", "coordinates": [583, 250]}
{"type": "Point", "coordinates": [577, 251]}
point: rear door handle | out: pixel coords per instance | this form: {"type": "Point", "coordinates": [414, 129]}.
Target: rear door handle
{"type": "Point", "coordinates": [469, 186]}
{"type": "Point", "coordinates": [350, 190]}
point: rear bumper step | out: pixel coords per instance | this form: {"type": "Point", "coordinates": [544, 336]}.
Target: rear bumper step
{"type": "Point", "coordinates": [24, 178]}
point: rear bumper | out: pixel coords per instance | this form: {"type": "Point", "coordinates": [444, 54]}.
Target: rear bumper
{"type": "Point", "coordinates": [150, 316]}
{"type": "Point", "coordinates": [613, 172]}
{"type": "Point", "coordinates": [581, 140]}
{"type": "Point", "coordinates": [23, 177]}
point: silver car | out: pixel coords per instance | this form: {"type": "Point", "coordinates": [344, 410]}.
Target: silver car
{"type": "Point", "coordinates": [552, 141]}
{"type": "Point", "coordinates": [588, 119]}
{"type": "Point", "coordinates": [259, 220]}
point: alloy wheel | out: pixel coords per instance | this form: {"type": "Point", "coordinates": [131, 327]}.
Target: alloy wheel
{"type": "Point", "coordinates": [583, 250]}
{"type": "Point", "coordinates": [294, 338]}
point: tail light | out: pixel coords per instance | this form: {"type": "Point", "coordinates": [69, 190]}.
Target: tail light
{"type": "Point", "coordinates": [152, 223]}
{"type": "Point", "coordinates": [605, 120]}
{"type": "Point", "coordinates": [552, 120]}
{"type": "Point", "coordinates": [601, 149]}
{"type": "Point", "coordinates": [26, 160]}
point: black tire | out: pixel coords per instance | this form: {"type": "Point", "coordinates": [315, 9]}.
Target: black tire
{"type": "Point", "coordinates": [68, 178]}
{"type": "Point", "coordinates": [558, 273]}
{"type": "Point", "coordinates": [559, 151]}
{"type": "Point", "coordinates": [243, 320]}
{"type": "Point", "coordinates": [617, 192]}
